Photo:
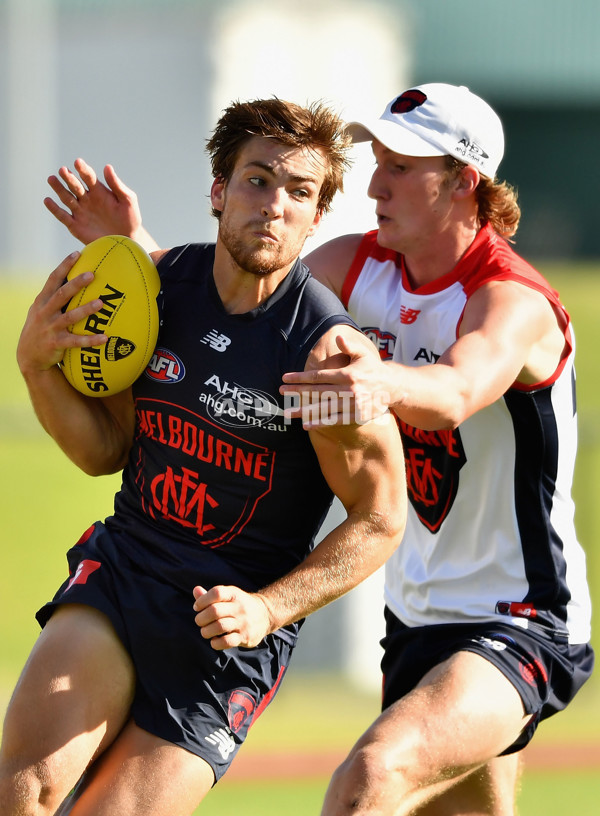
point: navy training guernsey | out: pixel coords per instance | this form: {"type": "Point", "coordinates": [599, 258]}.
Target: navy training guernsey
{"type": "Point", "coordinates": [219, 487]}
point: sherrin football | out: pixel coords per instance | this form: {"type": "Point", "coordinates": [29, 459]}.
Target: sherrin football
{"type": "Point", "coordinates": [127, 282]}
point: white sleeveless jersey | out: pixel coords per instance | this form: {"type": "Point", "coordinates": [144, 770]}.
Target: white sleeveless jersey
{"type": "Point", "coordinates": [490, 532]}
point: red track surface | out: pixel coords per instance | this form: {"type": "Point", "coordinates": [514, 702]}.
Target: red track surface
{"type": "Point", "coordinates": [302, 764]}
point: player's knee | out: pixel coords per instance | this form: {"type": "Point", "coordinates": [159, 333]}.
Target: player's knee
{"type": "Point", "coordinates": [360, 785]}
{"type": "Point", "coordinates": [28, 792]}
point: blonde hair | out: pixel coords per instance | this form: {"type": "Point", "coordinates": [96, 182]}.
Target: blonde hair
{"type": "Point", "coordinates": [496, 201]}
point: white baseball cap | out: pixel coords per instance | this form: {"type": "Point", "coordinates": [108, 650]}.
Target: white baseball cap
{"type": "Point", "coordinates": [438, 120]}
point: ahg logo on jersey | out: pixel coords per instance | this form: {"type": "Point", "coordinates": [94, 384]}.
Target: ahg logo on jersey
{"type": "Point", "coordinates": [216, 341]}
{"type": "Point", "coordinates": [235, 405]}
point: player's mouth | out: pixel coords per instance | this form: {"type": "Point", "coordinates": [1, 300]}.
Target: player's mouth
{"type": "Point", "coordinates": [265, 235]}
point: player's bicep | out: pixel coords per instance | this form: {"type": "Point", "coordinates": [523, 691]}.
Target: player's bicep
{"type": "Point", "coordinates": [364, 465]}
{"type": "Point", "coordinates": [502, 325]}
{"type": "Point", "coordinates": [326, 353]}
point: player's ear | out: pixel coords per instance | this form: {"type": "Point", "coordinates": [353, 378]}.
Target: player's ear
{"type": "Point", "coordinates": [466, 181]}
{"type": "Point", "coordinates": [315, 224]}
{"type": "Point", "coordinates": [217, 194]}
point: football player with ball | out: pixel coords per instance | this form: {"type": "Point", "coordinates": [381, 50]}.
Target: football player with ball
{"type": "Point", "coordinates": [177, 620]}
{"type": "Point", "coordinates": [487, 604]}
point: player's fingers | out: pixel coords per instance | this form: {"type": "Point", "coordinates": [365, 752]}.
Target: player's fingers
{"type": "Point", "coordinates": [63, 193]}
{"type": "Point", "coordinates": [72, 181]}
{"type": "Point", "coordinates": [73, 316]}
{"type": "Point", "coordinates": [318, 377]}
{"type": "Point", "coordinates": [216, 628]}
{"type": "Point", "coordinates": [210, 611]}
{"type": "Point", "coordinates": [120, 189]}
{"type": "Point", "coordinates": [61, 292]}
{"type": "Point", "coordinates": [73, 340]}
{"type": "Point", "coordinates": [61, 215]}
{"type": "Point", "coordinates": [354, 348]}
{"type": "Point", "coordinates": [57, 277]}
{"type": "Point", "coordinates": [87, 173]}
{"type": "Point", "coordinates": [201, 599]}
{"type": "Point", "coordinates": [229, 641]}
{"type": "Point", "coordinates": [301, 393]}
{"type": "Point", "coordinates": [343, 345]}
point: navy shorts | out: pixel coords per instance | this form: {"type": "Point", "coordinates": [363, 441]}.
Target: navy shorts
{"type": "Point", "coordinates": [187, 693]}
{"type": "Point", "coordinates": [546, 671]}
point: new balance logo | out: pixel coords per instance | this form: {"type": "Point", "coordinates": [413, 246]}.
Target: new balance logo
{"type": "Point", "coordinates": [223, 741]}
{"type": "Point", "coordinates": [408, 315]}
{"type": "Point", "coordinates": [217, 342]}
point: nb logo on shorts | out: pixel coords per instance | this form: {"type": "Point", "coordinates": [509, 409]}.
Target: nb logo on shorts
{"type": "Point", "coordinates": [223, 742]}
{"type": "Point", "coordinates": [217, 342]}
{"type": "Point", "coordinates": [490, 643]}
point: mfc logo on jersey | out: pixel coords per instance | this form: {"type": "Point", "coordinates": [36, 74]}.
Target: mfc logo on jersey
{"type": "Point", "coordinates": [216, 341]}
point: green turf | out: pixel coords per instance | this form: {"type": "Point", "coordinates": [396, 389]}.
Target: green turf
{"type": "Point", "coordinates": [542, 794]}
{"type": "Point", "coordinates": [45, 503]}
{"type": "Point", "coordinates": [297, 797]}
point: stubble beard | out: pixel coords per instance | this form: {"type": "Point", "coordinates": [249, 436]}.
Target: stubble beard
{"type": "Point", "coordinates": [260, 261]}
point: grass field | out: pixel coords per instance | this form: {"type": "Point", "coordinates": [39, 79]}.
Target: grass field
{"type": "Point", "coordinates": [45, 503]}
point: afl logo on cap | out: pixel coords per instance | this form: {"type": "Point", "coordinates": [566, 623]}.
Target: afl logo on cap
{"type": "Point", "coordinates": [408, 101]}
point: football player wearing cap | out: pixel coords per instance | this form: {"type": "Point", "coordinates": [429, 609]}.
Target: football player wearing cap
{"type": "Point", "coordinates": [487, 605]}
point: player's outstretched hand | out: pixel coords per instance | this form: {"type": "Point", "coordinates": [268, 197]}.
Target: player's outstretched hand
{"type": "Point", "coordinates": [92, 209]}
{"type": "Point", "coordinates": [46, 335]}
{"type": "Point", "coordinates": [228, 616]}
{"type": "Point", "coordinates": [354, 393]}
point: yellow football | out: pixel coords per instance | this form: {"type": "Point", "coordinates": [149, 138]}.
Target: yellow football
{"type": "Point", "coordinates": [127, 282]}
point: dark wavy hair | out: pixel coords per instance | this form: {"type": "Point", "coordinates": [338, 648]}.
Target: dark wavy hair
{"type": "Point", "coordinates": [313, 127]}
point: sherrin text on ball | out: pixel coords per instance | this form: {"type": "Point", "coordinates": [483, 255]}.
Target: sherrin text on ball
{"type": "Point", "coordinates": [127, 282]}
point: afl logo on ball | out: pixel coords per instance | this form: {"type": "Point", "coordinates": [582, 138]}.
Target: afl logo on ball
{"type": "Point", "coordinates": [165, 367]}
{"type": "Point", "coordinates": [408, 101]}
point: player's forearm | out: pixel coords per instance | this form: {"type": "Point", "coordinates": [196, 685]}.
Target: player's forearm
{"type": "Point", "coordinates": [431, 397]}
{"type": "Point", "coordinates": [144, 239]}
{"type": "Point", "coordinates": [81, 426]}
{"type": "Point", "coordinates": [346, 556]}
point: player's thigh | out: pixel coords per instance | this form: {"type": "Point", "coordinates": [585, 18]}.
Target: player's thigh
{"type": "Point", "coordinates": [143, 775]}
{"type": "Point", "coordinates": [470, 709]}
{"type": "Point", "coordinates": [72, 698]}
{"type": "Point", "coordinates": [463, 713]}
